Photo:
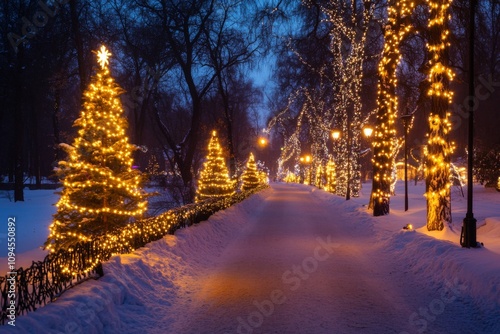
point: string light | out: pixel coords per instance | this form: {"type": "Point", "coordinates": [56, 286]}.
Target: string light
{"type": "Point", "coordinates": [439, 149]}
{"type": "Point", "coordinates": [101, 191]}
{"type": "Point", "coordinates": [214, 181]}
{"type": "Point", "coordinates": [331, 180]}
{"type": "Point", "coordinates": [341, 76]}
{"type": "Point", "coordinates": [385, 144]}
{"type": "Point", "coordinates": [251, 177]}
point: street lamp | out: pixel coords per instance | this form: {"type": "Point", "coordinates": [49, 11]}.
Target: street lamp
{"type": "Point", "coordinates": [368, 131]}
{"type": "Point", "coordinates": [335, 134]}
{"type": "Point", "coordinates": [306, 160]}
{"type": "Point", "coordinates": [468, 234]}
{"type": "Point", "coordinates": [406, 121]}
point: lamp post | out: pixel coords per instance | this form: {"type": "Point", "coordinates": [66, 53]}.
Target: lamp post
{"type": "Point", "coordinates": [468, 235]}
{"type": "Point", "coordinates": [336, 137]}
{"type": "Point", "coordinates": [367, 132]}
{"type": "Point", "coordinates": [306, 161]}
{"type": "Point", "coordinates": [406, 120]}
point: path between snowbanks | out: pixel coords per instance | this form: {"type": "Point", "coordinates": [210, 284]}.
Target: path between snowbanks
{"type": "Point", "coordinates": [283, 261]}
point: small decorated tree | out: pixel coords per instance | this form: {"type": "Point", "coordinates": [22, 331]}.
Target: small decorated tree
{"type": "Point", "coordinates": [214, 181]}
{"type": "Point", "coordinates": [250, 176]}
{"type": "Point", "coordinates": [101, 191]}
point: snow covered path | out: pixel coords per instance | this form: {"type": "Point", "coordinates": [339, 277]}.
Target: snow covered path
{"type": "Point", "coordinates": [296, 268]}
{"type": "Point", "coordinates": [290, 259]}
{"type": "Point", "coordinates": [299, 267]}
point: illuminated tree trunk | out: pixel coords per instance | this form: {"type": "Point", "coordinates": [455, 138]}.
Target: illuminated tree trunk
{"type": "Point", "coordinates": [439, 149]}
{"type": "Point", "coordinates": [385, 128]}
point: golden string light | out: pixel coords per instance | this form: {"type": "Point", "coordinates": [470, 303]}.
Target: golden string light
{"type": "Point", "coordinates": [214, 181]}
{"type": "Point", "coordinates": [310, 111]}
{"type": "Point", "coordinates": [385, 142]}
{"type": "Point", "coordinates": [439, 148]}
{"type": "Point", "coordinates": [251, 177]}
{"type": "Point", "coordinates": [101, 191]}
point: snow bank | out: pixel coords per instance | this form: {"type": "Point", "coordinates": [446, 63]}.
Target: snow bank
{"type": "Point", "coordinates": [152, 276]}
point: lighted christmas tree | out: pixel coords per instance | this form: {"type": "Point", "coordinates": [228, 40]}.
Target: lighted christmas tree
{"type": "Point", "coordinates": [101, 191]}
{"type": "Point", "coordinates": [214, 181]}
{"type": "Point", "coordinates": [250, 176]}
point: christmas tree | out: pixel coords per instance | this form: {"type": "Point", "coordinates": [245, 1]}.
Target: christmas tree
{"type": "Point", "coordinates": [101, 190]}
{"type": "Point", "coordinates": [214, 181]}
{"type": "Point", "coordinates": [251, 176]}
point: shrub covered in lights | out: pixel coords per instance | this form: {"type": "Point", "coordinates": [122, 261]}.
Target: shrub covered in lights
{"type": "Point", "coordinates": [214, 181]}
{"type": "Point", "coordinates": [250, 177]}
{"type": "Point", "coordinates": [101, 191]}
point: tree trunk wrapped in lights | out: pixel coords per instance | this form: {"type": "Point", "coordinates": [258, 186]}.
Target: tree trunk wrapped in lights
{"type": "Point", "coordinates": [214, 181]}
{"type": "Point", "coordinates": [319, 176]}
{"type": "Point", "coordinates": [331, 180]}
{"type": "Point", "coordinates": [385, 129]}
{"type": "Point", "coordinates": [439, 149]}
{"type": "Point", "coordinates": [101, 190]}
{"type": "Point", "coordinates": [251, 177]}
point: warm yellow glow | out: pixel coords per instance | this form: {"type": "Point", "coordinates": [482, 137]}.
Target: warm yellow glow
{"type": "Point", "coordinates": [103, 57]}
{"type": "Point", "coordinates": [385, 142]}
{"type": "Point", "coordinates": [331, 179]}
{"type": "Point", "coordinates": [368, 131]}
{"type": "Point", "coordinates": [101, 192]}
{"type": "Point", "coordinates": [214, 181]}
{"type": "Point", "coordinates": [439, 149]}
{"type": "Point", "coordinates": [335, 134]}
{"type": "Point", "coordinates": [262, 141]}
{"type": "Point", "coordinates": [251, 177]}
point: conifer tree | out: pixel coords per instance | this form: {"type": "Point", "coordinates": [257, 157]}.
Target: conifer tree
{"type": "Point", "coordinates": [214, 181]}
{"type": "Point", "coordinates": [101, 191]}
{"type": "Point", "coordinates": [250, 176]}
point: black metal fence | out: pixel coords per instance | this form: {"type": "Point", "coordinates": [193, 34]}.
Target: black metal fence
{"type": "Point", "coordinates": [25, 290]}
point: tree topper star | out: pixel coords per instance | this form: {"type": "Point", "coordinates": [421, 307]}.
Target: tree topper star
{"type": "Point", "coordinates": [102, 56]}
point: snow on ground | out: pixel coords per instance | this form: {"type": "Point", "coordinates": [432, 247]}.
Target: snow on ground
{"type": "Point", "coordinates": [33, 217]}
{"type": "Point", "coordinates": [294, 259]}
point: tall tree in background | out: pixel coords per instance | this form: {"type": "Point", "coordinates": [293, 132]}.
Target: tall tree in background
{"type": "Point", "coordinates": [439, 148]}
{"type": "Point", "coordinates": [101, 190]}
{"type": "Point", "coordinates": [397, 27]}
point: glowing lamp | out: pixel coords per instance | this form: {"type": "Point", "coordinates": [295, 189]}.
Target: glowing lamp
{"type": "Point", "coordinates": [408, 227]}
{"type": "Point", "coordinates": [368, 131]}
{"type": "Point", "coordinates": [335, 134]}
